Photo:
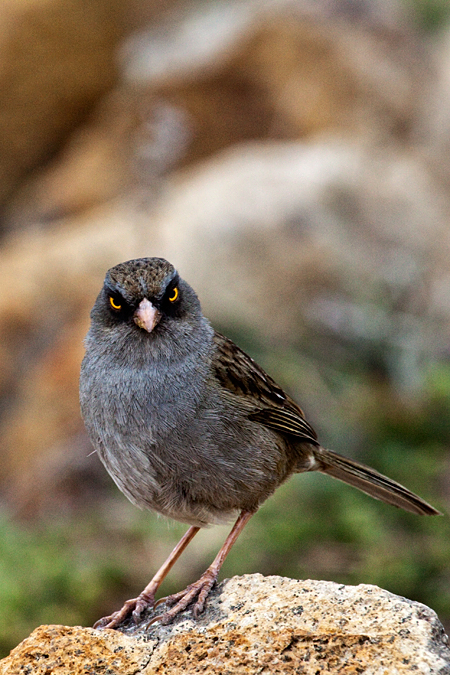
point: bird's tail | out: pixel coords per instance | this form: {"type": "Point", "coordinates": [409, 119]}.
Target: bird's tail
{"type": "Point", "coordinates": [371, 482]}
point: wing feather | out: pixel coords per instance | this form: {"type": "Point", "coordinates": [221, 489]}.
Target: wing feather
{"type": "Point", "coordinates": [268, 404]}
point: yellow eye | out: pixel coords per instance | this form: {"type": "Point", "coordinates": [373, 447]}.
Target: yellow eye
{"type": "Point", "coordinates": [115, 305]}
{"type": "Point", "coordinates": [174, 295]}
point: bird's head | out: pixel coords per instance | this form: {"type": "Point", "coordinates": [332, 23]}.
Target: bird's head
{"type": "Point", "coordinates": [145, 295]}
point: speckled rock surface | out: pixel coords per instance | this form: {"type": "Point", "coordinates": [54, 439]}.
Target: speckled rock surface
{"type": "Point", "coordinates": [256, 624]}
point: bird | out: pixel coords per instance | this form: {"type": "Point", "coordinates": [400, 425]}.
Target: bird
{"type": "Point", "coordinates": [190, 426]}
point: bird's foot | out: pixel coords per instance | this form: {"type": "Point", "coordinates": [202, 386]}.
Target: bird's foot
{"type": "Point", "coordinates": [179, 601]}
{"type": "Point", "coordinates": [133, 607]}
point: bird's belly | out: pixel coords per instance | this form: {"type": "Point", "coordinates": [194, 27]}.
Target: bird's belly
{"type": "Point", "coordinates": [192, 477]}
{"type": "Point", "coordinates": [204, 479]}
{"type": "Point", "coordinates": [182, 459]}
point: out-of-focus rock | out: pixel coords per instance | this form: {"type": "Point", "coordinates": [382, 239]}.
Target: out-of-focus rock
{"type": "Point", "coordinates": [433, 113]}
{"type": "Point", "coordinates": [130, 142]}
{"type": "Point", "coordinates": [277, 71]}
{"type": "Point", "coordinates": [57, 57]}
{"type": "Point", "coordinates": [92, 168]}
{"type": "Point", "coordinates": [256, 624]}
{"type": "Point", "coordinates": [51, 278]}
{"type": "Point", "coordinates": [262, 228]}
{"type": "Point", "coordinates": [219, 74]}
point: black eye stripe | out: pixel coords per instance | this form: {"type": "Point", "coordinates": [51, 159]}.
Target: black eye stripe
{"type": "Point", "coordinates": [166, 301]}
{"type": "Point", "coordinates": [117, 297]}
{"type": "Point", "coordinates": [171, 287]}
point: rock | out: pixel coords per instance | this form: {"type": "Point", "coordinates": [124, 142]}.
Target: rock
{"type": "Point", "coordinates": [256, 624]}
{"type": "Point", "coordinates": [61, 649]}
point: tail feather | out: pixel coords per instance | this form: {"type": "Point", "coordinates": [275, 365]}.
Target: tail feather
{"type": "Point", "coordinates": [371, 482]}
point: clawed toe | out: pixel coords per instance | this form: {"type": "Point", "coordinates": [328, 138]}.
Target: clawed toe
{"type": "Point", "coordinates": [143, 602]}
{"type": "Point", "coordinates": [103, 622]}
{"type": "Point", "coordinates": [179, 601]}
{"type": "Point", "coordinates": [117, 618]}
{"type": "Point", "coordinates": [133, 608]}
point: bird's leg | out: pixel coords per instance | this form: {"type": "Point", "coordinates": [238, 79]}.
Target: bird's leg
{"type": "Point", "coordinates": [136, 606]}
{"type": "Point", "coordinates": [201, 588]}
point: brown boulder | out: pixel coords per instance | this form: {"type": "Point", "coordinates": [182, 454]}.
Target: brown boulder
{"type": "Point", "coordinates": [254, 624]}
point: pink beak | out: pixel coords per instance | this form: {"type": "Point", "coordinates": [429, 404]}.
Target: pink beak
{"type": "Point", "coordinates": [146, 316]}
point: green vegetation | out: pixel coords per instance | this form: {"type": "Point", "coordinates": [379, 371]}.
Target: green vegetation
{"type": "Point", "coordinates": [430, 15]}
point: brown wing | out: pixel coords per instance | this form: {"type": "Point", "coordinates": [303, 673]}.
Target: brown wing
{"type": "Point", "coordinates": [267, 402]}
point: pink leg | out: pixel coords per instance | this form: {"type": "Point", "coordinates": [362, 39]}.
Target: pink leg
{"type": "Point", "coordinates": [201, 588]}
{"type": "Point", "coordinates": [136, 606]}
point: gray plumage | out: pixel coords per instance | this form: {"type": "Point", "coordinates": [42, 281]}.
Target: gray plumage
{"type": "Point", "coordinates": [172, 438]}
{"type": "Point", "coordinates": [185, 422]}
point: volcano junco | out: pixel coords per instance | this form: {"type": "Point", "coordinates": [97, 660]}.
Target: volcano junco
{"type": "Point", "coordinates": [190, 426]}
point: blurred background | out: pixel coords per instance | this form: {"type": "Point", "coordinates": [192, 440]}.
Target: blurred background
{"type": "Point", "coordinates": [292, 159]}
